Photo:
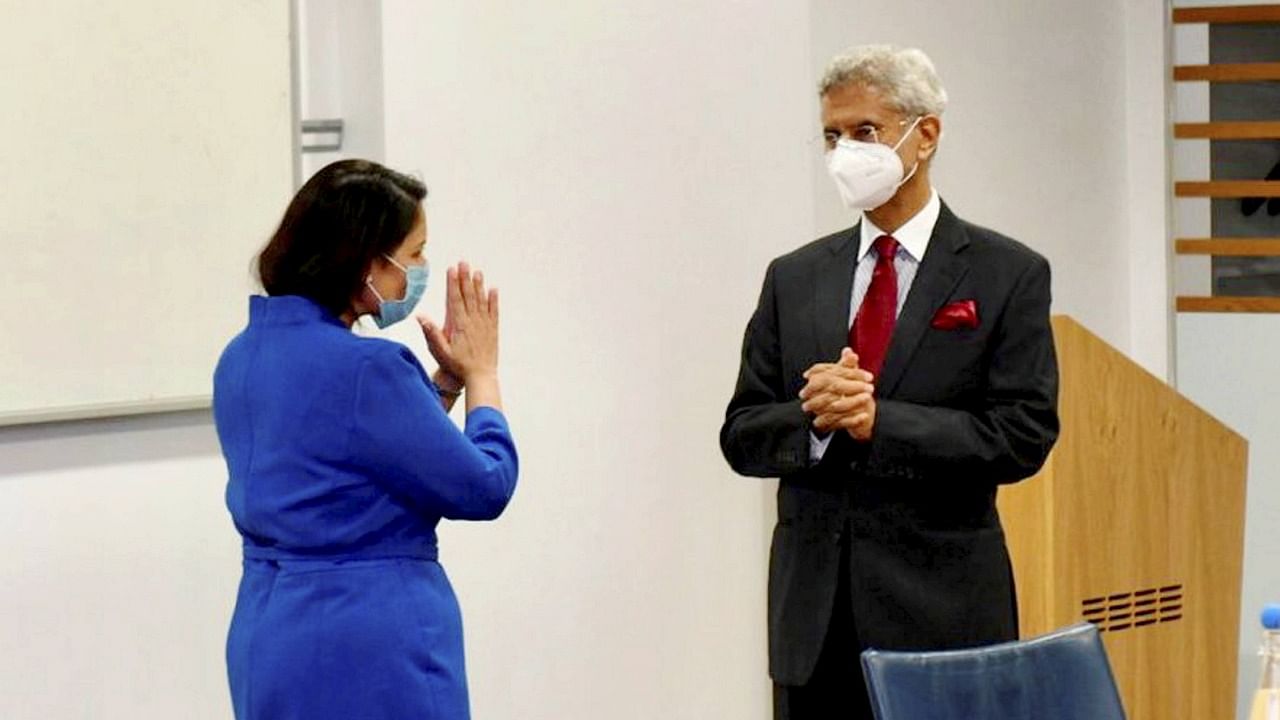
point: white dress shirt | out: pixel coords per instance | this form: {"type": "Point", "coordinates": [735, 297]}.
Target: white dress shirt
{"type": "Point", "coordinates": [913, 242]}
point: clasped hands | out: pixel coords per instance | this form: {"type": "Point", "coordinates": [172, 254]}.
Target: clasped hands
{"type": "Point", "coordinates": [840, 396]}
{"type": "Point", "coordinates": [467, 345]}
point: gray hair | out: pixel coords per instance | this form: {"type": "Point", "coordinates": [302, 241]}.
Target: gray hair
{"type": "Point", "coordinates": [905, 76]}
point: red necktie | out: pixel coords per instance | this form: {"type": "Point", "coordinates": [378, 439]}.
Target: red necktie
{"type": "Point", "coordinates": [873, 325]}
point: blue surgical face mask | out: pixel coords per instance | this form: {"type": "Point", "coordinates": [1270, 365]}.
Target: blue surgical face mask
{"type": "Point", "coordinates": [391, 312]}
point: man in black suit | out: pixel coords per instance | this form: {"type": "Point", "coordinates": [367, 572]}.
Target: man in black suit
{"type": "Point", "coordinates": [893, 375]}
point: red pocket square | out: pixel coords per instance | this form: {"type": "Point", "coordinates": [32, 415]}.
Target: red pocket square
{"type": "Point", "coordinates": [959, 314]}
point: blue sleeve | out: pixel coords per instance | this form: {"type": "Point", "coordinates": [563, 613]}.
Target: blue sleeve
{"type": "Point", "coordinates": [403, 436]}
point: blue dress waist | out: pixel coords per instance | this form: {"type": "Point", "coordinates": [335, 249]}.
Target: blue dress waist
{"type": "Point", "coordinates": [379, 552]}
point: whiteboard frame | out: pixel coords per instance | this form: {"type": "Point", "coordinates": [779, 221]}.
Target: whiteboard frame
{"type": "Point", "coordinates": [98, 411]}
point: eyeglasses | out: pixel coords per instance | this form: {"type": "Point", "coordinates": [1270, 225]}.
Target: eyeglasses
{"type": "Point", "coordinates": [866, 132]}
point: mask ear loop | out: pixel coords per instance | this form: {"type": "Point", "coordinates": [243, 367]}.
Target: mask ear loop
{"type": "Point", "coordinates": [368, 281]}
{"type": "Point", "coordinates": [903, 139]}
{"type": "Point", "coordinates": [395, 262]}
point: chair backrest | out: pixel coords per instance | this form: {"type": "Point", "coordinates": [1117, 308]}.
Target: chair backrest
{"type": "Point", "coordinates": [1060, 676]}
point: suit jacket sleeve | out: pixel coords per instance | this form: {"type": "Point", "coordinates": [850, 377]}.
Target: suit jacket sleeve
{"type": "Point", "coordinates": [765, 433]}
{"type": "Point", "coordinates": [1010, 435]}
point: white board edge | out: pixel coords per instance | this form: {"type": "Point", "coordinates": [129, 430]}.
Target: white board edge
{"type": "Point", "coordinates": [64, 413]}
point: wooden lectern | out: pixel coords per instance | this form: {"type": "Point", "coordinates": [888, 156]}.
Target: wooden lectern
{"type": "Point", "coordinates": [1136, 523]}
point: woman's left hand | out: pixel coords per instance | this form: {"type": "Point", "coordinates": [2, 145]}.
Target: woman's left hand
{"type": "Point", "coordinates": [442, 351]}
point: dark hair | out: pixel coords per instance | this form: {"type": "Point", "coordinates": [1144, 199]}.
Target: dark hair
{"type": "Point", "coordinates": [349, 213]}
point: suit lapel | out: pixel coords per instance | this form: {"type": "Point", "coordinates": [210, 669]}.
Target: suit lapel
{"type": "Point", "coordinates": [937, 276]}
{"type": "Point", "coordinates": [833, 291]}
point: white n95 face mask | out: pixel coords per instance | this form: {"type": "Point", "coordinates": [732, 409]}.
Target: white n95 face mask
{"type": "Point", "coordinates": [867, 174]}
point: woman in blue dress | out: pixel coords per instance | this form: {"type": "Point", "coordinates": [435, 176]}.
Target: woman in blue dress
{"type": "Point", "coordinates": [342, 460]}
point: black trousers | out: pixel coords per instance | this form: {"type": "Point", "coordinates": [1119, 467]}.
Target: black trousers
{"type": "Point", "coordinates": [836, 690]}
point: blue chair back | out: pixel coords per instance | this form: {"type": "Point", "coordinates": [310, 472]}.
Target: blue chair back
{"type": "Point", "coordinates": [1060, 676]}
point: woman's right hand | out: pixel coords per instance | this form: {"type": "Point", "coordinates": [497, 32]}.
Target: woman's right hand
{"type": "Point", "coordinates": [467, 346]}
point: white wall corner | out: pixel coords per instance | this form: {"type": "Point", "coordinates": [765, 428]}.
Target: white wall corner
{"type": "Point", "coordinates": [1149, 147]}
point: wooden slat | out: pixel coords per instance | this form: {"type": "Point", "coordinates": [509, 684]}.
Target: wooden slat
{"type": "Point", "coordinates": [1231, 247]}
{"type": "Point", "coordinates": [1228, 130]}
{"type": "Point", "coordinates": [1228, 189]}
{"type": "Point", "coordinates": [1228, 14]}
{"type": "Point", "coordinates": [1228, 72]}
{"type": "Point", "coordinates": [1229, 304]}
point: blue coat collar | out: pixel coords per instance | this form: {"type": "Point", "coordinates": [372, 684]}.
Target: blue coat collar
{"type": "Point", "coordinates": [288, 310]}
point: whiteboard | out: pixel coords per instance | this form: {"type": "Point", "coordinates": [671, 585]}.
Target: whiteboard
{"type": "Point", "coordinates": [147, 156]}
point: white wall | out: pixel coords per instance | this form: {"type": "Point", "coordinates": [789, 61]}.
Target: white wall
{"type": "Point", "coordinates": [119, 570]}
{"type": "Point", "coordinates": [1227, 365]}
{"type": "Point", "coordinates": [340, 75]}
{"type": "Point", "coordinates": [1148, 202]}
{"type": "Point", "coordinates": [623, 172]}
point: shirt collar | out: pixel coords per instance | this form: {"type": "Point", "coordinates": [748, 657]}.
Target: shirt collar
{"type": "Point", "coordinates": [913, 236]}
